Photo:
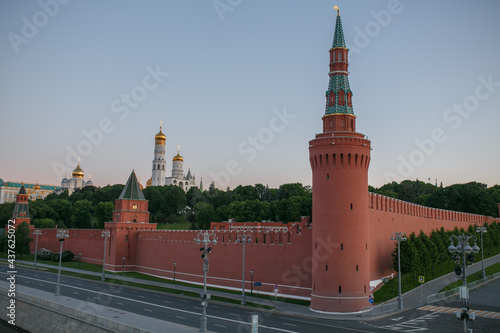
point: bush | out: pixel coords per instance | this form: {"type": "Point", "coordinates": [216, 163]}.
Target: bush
{"type": "Point", "coordinates": [44, 254]}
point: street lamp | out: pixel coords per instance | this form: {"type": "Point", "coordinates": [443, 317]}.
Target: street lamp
{"type": "Point", "coordinates": [105, 234]}
{"type": "Point", "coordinates": [465, 250]}
{"type": "Point", "coordinates": [482, 230]}
{"type": "Point", "coordinates": [244, 238]}
{"type": "Point", "coordinates": [61, 234]}
{"type": "Point", "coordinates": [123, 265]}
{"type": "Point", "coordinates": [36, 233]}
{"type": "Point", "coordinates": [79, 259]}
{"type": "Point", "coordinates": [251, 282]}
{"type": "Point", "coordinates": [175, 264]}
{"type": "Point", "coordinates": [399, 237]}
{"type": "Point", "coordinates": [205, 250]}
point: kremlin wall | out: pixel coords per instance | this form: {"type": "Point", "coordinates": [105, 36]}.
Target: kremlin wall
{"type": "Point", "coordinates": [329, 258]}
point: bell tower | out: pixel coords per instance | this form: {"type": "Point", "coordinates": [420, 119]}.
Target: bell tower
{"type": "Point", "coordinates": [339, 160]}
{"type": "Point", "coordinates": [159, 162]}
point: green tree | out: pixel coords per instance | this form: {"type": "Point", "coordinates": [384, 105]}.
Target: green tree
{"type": "Point", "coordinates": [44, 223]}
{"type": "Point", "coordinates": [82, 213]}
{"type": "Point", "coordinates": [23, 239]}
{"type": "Point", "coordinates": [103, 212]}
{"type": "Point", "coordinates": [204, 214]}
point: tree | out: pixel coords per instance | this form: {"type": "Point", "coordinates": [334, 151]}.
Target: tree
{"type": "Point", "coordinates": [23, 239]}
{"type": "Point", "coordinates": [44, 223]}
{"type": "Point", "coordinates": [104, 213]}
{"type": "Point", "coordinates": [204, 214]}
{"type": "Point", "coordinates": [81, 218]}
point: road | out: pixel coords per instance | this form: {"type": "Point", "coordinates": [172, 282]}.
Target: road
{"type": "Point", "coordinates": [224, 317]}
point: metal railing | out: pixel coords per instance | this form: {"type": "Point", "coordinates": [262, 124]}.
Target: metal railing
{"type": "Point", "coordinates": [379, 310]}
{"type": "Point", "coordinates": [455, 291]}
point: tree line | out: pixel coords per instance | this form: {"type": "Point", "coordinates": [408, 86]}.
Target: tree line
{"type": "Point", "coordinates": [421, 253]}
{"type": "Point", "coordinates": [90, 206]}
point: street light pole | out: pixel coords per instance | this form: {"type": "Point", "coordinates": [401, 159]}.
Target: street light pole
{"type": "Point", "coordinates": [464, 249]}
{"type": "Point", "coordinates": [399, 237]}
{"type": "Point", "coordinates": [482, 230]}
{"type": "Point", "coordinates": [175, 264]}
{"type": "Point", "coordinates": [244, 238]}
{"type": "Point", "coordinates": [251, 282]}
{"type": "Point", "coordinates": [123, 265]}
{"type": "Point", "coordinates": [105, 234]}
{"type": "Point", "coordinates": [79, 259]}
{"type": "Point", "coordinates": [205, 250]}
{"type": "Point", "coordinates": [36, 233]}
{"type": "Point", "coordinates": [61, 234]}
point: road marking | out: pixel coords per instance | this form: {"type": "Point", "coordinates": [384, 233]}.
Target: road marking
{"type": "Point", "coordinates": [444, 309]}
{"type": "Point", "coordinates": [119, 303]}
{"type": "Point", "coordinates": [289, 324]}
{"type": "Point", "coordinates": [220, 325]}
{"type": "Point", "coordinates": [180, 317]}
{"type": "Point", "coordinates": [167, 301]}
{"type": "Point", "coordinates": [148, 310]}
{"type": "Point", "coordinates": [183, 300]}
{"type": "Point", "coordinates": [234, 314]}
{"type": "Point", "coordinates": [397, 319]}
{"type": "Point", "coordinates": [215, 306]}
{"type": "Point", "coordinates": [157, 295]}
{"type": "Point", "coordinates": [179, 310]}
{"type": "Point", "coordinates": [141, 296]}
{"type": "Point", "coordinates": [196, 307]}
{"type": "Point", "coordinates": [74, 292]}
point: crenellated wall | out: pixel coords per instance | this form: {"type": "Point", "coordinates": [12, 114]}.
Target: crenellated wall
{"type": "Point", "coordinates": [280, 254]}
{"type": "Point", "coordinates": [388, 215]}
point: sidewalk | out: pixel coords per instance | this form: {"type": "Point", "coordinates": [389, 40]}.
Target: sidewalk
{"type": "Point", "coordinates": [411, 299]}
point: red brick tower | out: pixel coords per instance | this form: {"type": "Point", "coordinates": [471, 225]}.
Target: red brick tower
{"type": "Point", "coordinates": [21, 211]}
{"type": "Point", "coordinates": [129, 217]}
{"type": "Point", "coordinates": [339, 160]}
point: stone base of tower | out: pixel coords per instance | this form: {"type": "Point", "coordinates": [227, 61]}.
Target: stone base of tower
{"type": "Point", "coordinates": [338, 304]}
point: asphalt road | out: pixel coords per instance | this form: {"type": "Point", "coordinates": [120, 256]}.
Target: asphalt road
{"type": "Point", "coordinates": [224, 317]}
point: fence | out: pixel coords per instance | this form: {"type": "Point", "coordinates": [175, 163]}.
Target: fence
{"type": "Point", "coordinates": [379, 310]}
{"type": "Point", "coordinates": [445, 294]}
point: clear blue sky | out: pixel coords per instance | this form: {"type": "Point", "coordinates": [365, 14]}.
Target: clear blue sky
{"type": "Point", "coordinates": [410, 63]}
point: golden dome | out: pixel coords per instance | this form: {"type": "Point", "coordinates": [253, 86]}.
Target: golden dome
{"type": "Point", "coordinates": [160, 135]}
{"type": "Point", "coordinates": [177, 157]}
{"type": "Point", "coordinates": [149, 182]}
{"type": "Point", "coordinates": [36, 187]}
{"type": "Point", "coordinates": [78, 172]}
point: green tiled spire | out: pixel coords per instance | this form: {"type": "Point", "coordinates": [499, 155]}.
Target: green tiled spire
{"type": "Point", "coordinates": [338, 38]}
{"type": "Point", "coordinates": [132, 190]}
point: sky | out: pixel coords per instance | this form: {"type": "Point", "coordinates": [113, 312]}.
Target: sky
{"type": "Point", "coordinates": [240, 86]}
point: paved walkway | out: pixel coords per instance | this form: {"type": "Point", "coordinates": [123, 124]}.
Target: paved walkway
{"type": "Point", "coordinates": [411, 299]}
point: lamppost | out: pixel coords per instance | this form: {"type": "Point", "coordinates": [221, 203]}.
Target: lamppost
{"type": "Point", "coordinates": [482, 230]}
{"type": "Point", "coordinates": [251, 282]}
{"type": "Point", "coordinates": [244, 238]}
{"type": "Point", "coordinates": [61, 234]}
{"type": "Point", "coordinates": [123, 265]}
{"type": "Point", "coordinates": [36, 233]}
{"type": "Point", "coordinates": [463, 248]}
{"type": "Point", "coordinates": [105, 234]}
{"type": "Point", "coordinates": [175, 264]}
{"type": "Point", "coordinates": [399, 237]}
{"type": "Point", "coordinates": [205, 250]}
{"type": "Point", "coordinates": [79, 259]}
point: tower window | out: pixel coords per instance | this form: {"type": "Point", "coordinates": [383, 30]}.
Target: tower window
{"type": "Point", "coordinates": [341, 246]}
{"type": "Point", "coordinates": [351, 206]}
{"type": "Point", "coordinates": [340, 289]}
{"type": "Point", "coordinates": [357, 268]}
{"type": "Point", "coordinates": [134, 206]}
{"type": "Point", "coordinates": [326, 268]}
{"type": "Point", "coordinates": [327, 176]}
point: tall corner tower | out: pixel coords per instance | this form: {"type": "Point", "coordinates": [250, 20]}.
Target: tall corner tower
{"type": "Point", "coordinates": [131, 206]}
{"type": "Point", "coordinates": [159, 162]}
{"type": "Point", "coordinates": [339, 160]}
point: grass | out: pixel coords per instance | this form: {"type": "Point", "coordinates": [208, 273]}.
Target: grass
{"type": "Point", "coordinates": [174, 226]}
{"type": "Point", "coordinates": [473, 277]}
{"type": "Point", "coordinates": [409, 281]}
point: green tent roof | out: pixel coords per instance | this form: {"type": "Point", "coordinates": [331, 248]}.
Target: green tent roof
{"type": "Point", "coordinates": [132, 190]}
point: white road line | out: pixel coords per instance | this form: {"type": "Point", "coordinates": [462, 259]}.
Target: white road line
{"type": "Point", "coordinates": [183, 300]}
{"type": "Point", "coordinates": [289, 324]}
{"type": "Point", "coordinates": [148, 310]}
{"type": "Point", "coordinates": [180, 317]}
{"type": "Point", "coordinates": [195, 307]}
{"type": "Point", "coordinates": [74, 292]}
{"type": "Point", "coordinates": [179, 310]}
{"type": "Point", "coordinates": [215, 306]}
{"type": "Point", "coordinates": [119, 303]}
{"type": "Point", "coordinates": [220, 325]}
